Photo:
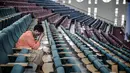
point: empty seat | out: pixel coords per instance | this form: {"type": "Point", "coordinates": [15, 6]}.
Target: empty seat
{"type": "Point", "coordinates": [57, 62]}
{"type": "Point", "coordinates": [5, 60]}
{"type": "Point", "coordinates": [60, 70]}
{"type": "Point", "coordinates": [17, 69]}
{"type": "Point", "coordinates": [13, 32]}
{"type": "Point", "coordinates": [41, 15]}
{"type": "Point", "coordinates": [7, 11]}
{"type": "Point", "coordinates": [6, 44]}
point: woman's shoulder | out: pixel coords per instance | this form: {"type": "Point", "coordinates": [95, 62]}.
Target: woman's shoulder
{"type": "Point", "coordinates": [28, 33]}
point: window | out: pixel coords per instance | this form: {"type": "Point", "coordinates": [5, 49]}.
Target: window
{"type": "Point", "coordinates": [63, 1]}
{"type": "Point", "coordinates": [55, 0]}
{"type": "Point", "coordinates": [95, 13]}
{"type": "Point", "coordinates": [116, 12]}
{"type": "Point", "coordinates": [115, 22]}
{"type": "Point", "coordinates": [122, 20]}
{"type": "Point", "coordinates": [124, 1]}
{"type": "Point", "coordinates": [117, 2]}
{"type": "Point", "coordinates": [69, 1]}
{"type": "Point", "coordinates": [106, 1]}
{"type": "Point", "coordinates": [96, 1]}
{"type": "Point", "coordinates": [89, 1]}
{"type": "Point", "coordinates": [79, 0]}
{"type": "Point", "coordinates": [89, 11]}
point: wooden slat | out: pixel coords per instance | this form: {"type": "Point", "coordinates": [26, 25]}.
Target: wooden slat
{"type": "Point", "coordinates": [111, 53]}
{"type": "Point", "coordinates": [98, 44]}
{"type": "Point", "coordinates": [99, 54]}
{"type": "Point", "coordinates": [81, 55]}
{"type": "Point", "coordinates": [96, 72]}
{"type": "Point", "coordinates": [17, 54]}
{"type": "Point", "coordinates": [75, 48]}
{"type": "Point", "coordinates": [128, 64]}
{"type": "Point", "coordinates": [21, 48]}
{"type": "Point", "coordinates": [65, 52]}
{"type": "Point", "coordinates": [122, 71]}
{"type": "Point", "coordinates": [12, 64]}
{"type": "Point", "coordinates": [68, 58]}
{"type": "Point", "coordinates": [85, 61]}
{"type": "Point", "coordinates": [110, 62]}
{"type": "Point", "coordinates": [70, 64]}
{"type": "Point", "coordinates": [91, 68]}
{"type": "Point", "coordinates": [61, 44]}
{"type": "Point", "coordinates": [114, 66]}
{"type": "Point", "coordinates": [63, 48]}
{"type": "Point", "coordinates": [60, 41]}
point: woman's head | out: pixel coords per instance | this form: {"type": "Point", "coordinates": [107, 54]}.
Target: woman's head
{"type": "Point", "coordinates": [38, 29]}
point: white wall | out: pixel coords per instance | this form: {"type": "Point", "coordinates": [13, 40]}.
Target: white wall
{"type": "Point", "coordinates": [106, 11]}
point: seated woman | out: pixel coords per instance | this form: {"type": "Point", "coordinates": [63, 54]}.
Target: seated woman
{"type": "Point", "coordinates": [27, 39]}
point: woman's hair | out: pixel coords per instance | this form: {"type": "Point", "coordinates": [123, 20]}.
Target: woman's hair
{"type": "Point", "coordinates": [39, 28]}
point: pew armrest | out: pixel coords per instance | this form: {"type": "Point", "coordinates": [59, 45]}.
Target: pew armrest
{"type": "Point", "coordinates": [12, 64]}
{"type": "Point", "coordinates": [17, 54]}
{"type": "Point", "coordinates": [19, 49]}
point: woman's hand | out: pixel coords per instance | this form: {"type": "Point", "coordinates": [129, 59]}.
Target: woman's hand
{"type": "Point", "coordinates": [41, 36]}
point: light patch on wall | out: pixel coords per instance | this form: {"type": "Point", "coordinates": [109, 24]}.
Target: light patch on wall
{"type": "Point", "coordinates": [106, 1]}
{"type": "Point", "coordinates": [63, 1]}
{"type": "Point", "coordinates": [79, 0]}
{"type": "Point", "coordinates": [122, 20]}
{"type": "Point", "coordinates": [69, 1]}
{"type": "Point", "coordinates": [96, 1]}
{"type": "Point", "coordinates": [117, 2]}
{"type": "Point", "coordinates": [95, 13]}
{"type": "Point", "coordinates": [116, 12]}
{"type": "Point", "coordinates": [54, 0]}
{"type": "Point", "coordinates": [115, 22]}
{"type": "Point", "coordinates": [89, 11]}
{"type": "Point", "coordinates": [124, 1]}
{"type": "Point", "coordinates": [89, 1]}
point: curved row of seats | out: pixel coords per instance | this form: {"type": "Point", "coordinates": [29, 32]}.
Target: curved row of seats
{"type": "Point", "coordinates": [17, 0]}
{"type": "Point", "coordinates": [112, 48]}
{"type": "Point", "coordinates": [13, 3]}
{"type": "Point", "coordinates": [116, 48]}
{"type": "Point", "coordinates": [97, 24]}
{"type": "Point", "coordinates": [42, 15]}
{"type": "Point", "coordinates": [93, 59]}
{"type": "Point", "coordinates": [62, 48]}
{"type": "Point", "coordinates": [122, 67]}
{"type": "Point", "coordinates": [9, 36]}
{"type": "Point", "coordinates": [61, 55]}
{"type": "Point", "coordinates": [124, 57]}
{"type": "Point", "coordinates": [104, 26]}
{"type": "Point", "coordinates": [66, 23]}
{"type": "Point", "coordinates": [83, 18]}
{"type": "Point", "coordinates": [56, 8]}
{"type": "Point", "coordinates": [99, 36]}
{"type": "Point", "coordinates": [54, 53]}
{"type": "Point", "coordinates": [28, 9]}
{"type": "Point", "coordinates": [111, 41]}
{"type": "Point", "coordinates": [55, 19]}
{"type": "Point", "coordinates": [7, 11]}
{"type": "Point", "coordinates": [6, 21]}
{"type": "Point", "coordinates": [75, 15]}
